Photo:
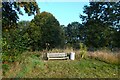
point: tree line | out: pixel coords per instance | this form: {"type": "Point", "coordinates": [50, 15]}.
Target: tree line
{"type": "Point", "coordinates": [100, 28]}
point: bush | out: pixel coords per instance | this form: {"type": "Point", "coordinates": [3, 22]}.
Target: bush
{"type": "Point", "coordinates": [5, 68]}
{"type": "Point", "coordinates": [83, 50]}
{"type": "Point", "coordinates": [13, 44]}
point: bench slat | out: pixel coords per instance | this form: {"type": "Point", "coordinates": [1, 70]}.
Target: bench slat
{"type": "Point", "coordinates": [57, 56]}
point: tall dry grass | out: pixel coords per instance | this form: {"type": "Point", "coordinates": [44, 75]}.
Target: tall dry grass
{"type": "Point", "coordinates": [102, 55]}
{"type": "Point", "coordinates": [105, 56]}
{"type": "Point", "coordinates": [67, 50]}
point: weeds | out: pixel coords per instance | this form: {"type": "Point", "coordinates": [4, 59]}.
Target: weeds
{"type": "Point", "coordinates": [83, 50]}
{"type": "Point", "coordinates": [31, 64]}
{"type": "Point", "coordinates": [26, 63]}
{"type": "Point", "coordinates": [105, 56]}
{"type": "Point", "coordinates": [5, 68]}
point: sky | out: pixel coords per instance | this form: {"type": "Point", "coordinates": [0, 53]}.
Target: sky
{"type": "Point", "coordinates": [64, 12]}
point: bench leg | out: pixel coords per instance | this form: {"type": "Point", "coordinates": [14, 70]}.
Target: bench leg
{"type": "Point", "coordinates": [48, 58]}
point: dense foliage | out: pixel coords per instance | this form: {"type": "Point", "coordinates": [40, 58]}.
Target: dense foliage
{"type": "Point", "coordinates": [14, 36]}
{"type": "Point", "coordinates": [15, 41]}
{"type": "Point", "coordinates": [10, 11]}
{"type": "Point", "coordinates": [74, 34]}
{"type": "Point", "coordinates": [102, 24]}
{"type": "Point", "coordinates": [45, 32]}
{"type": "Point", "coordinates": [100, 28]}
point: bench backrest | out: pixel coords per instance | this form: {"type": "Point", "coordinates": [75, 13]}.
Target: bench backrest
{"type": "Point", "coordinates": [56, 54]}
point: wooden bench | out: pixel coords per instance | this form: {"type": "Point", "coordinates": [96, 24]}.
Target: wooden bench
{"type": "Point", "coordinates": [57, 56]}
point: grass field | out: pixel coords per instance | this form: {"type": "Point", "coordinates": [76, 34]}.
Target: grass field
{"type": "Point", "coordinates": [32, 65]}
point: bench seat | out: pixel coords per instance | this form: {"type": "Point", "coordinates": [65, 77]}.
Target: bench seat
{"type": "Point", "coordinates": [57, 56]}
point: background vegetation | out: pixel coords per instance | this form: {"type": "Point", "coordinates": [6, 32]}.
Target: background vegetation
{"type": "Point", "coordinates": [100, 29]}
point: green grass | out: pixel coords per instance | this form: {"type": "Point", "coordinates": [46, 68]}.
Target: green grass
{"type": "Point", "coordinates": [79, 69]}
{"type": "Point", "coordinates": [32, 66]}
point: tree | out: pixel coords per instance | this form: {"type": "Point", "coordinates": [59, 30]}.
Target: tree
{"type": "Point", "coordinates": [10, 11]}
{"type": "Point", "coordinates": [14, 35]}
{"type": "Point", "coordinates": [100, 23]}
{"type": "Point", "coordinates": [46, 30]}
{"type": "Point", "coordinates": [16, 41]}
{"type": "Point", "coordinates": [103, 12]}
{"type": "Point", "coordinates": [74, 34]}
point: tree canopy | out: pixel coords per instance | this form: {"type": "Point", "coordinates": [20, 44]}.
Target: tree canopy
{"type": "Point", "coordinates": [46, 31]}
{"type": "Point", "coordinates": [73, 33]}
{"type": "Point", "coordinates": [10, 11]}
{"type": "Point", "coordinates": [101, 24]}
{"type": "Point", "coordinates": [106, 13]}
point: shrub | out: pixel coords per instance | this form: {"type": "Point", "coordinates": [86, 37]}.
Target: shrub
{"type": "Point", "coordinates": [83, 50]}
{"type": "Point", "coordinates": [13, 44]}
{"type": "Point", "coordinates": [5, 68]}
